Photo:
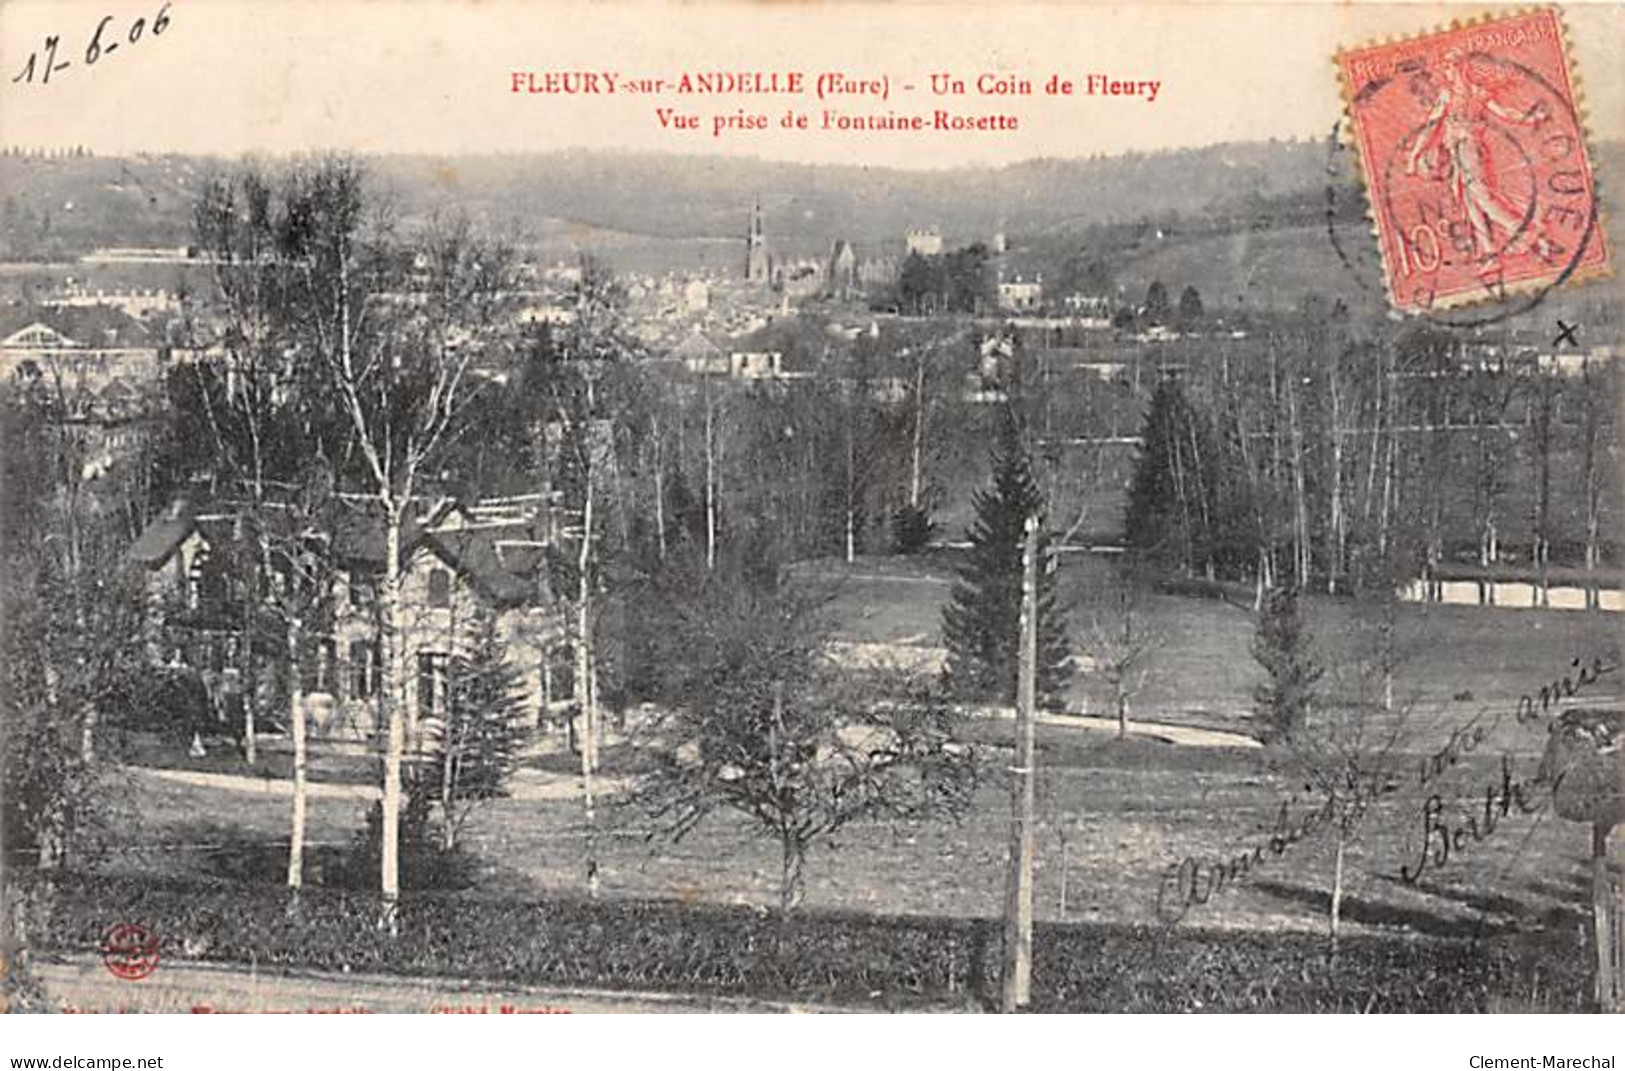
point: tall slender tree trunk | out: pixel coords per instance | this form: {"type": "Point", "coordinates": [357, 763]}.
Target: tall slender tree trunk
{"type": "Point", "coordinates": [1389, 494]}
{"type": "Point", "coordinates": [1378, 423]}
{"type": "Point", "coordinates": [392, 696]}
{"type": "Point", "coordinates": [1339, 526]}
{"type": "Point", "coordinates": [660, 486]}
{"type": "Point", "coordinates": [1016, 988]}
{"type": "Point", "coordinates": [851, 525]}
{"type": "Point", "coordinates": [1592, 488]}
{"type": "Point", "coordinates": [73, 568]}
{"type": "Point", "coordinates": [710, 482]}
{"type": "Point", "coordinates": [1203, 497]}
{"type": "Point", "coordinates": [1277, 465]}
{"type": "Point", "coordinates": [918, 445]}
{"type": "Point", "coordinates": [1337, 890]}
{"type": "Point", "coordinates": [1184, 502]}
{"type": "Point", "coordinates": [48, 836]}
{"type": "Point", "coordinates": [1300, 497]}
{"type": "Point", "coordinates": [296, 711]}
{"type": "Point", "coordinates": [585, 693]}
{"type": "Point", "coordinates": [257, 575]}
{"type": "Point", "coordinates": [450, 749]}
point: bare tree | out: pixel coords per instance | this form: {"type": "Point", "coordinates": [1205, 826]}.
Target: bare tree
{"type": "Point", "coordinates": [263, 421]}
{"type": "Point", "coordinates": [1598, 397]}
{"type": "Point", "coordinates": [71, 641]}
{"type": "Point", "coordinates": [764, 726]}
{"type": "Point", "coordinates": [1489, 394]}
{"type": "Point", "coordinates": [396, 328]}
{"type": "Point", "coordinates": [587, 397]}
{"type": "Point", "coordinates": [1121, 646]}
{"type": "Point", "coordinates": [1350, 753]}
{"type": "Point", "coordinates": [1544, 393]}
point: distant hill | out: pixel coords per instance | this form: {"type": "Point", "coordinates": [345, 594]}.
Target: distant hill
{"type": "Point", "coordinates": [60, 208]}
{"type": "Point", "coordinates": [1257, 209]}
{"type": "Point", "coordinates": [708, 197]}
{"type": "Point", "coordinates": [68, 205]}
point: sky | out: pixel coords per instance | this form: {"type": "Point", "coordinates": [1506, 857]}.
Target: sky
{"type": "Point", "coordinates": [276, 76]}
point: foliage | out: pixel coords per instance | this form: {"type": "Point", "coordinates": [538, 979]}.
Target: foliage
{"type": "Point", "coordinates": [1121, 645]}
{"type": "Point", "coordinates": [907, 961]}
{"type": "Point", "coordinates": [981, 623]}
{"type": "Point", "coordinates": [912, 529]}
{"type": "Point", "coordinates": [427, 862]}
{"type": "Point", "coordinates": [51, 793]}
{"type": "Point", "coordinates": [958, 281]}
{"type": "Point", "coordinates": [172, 702]}
{"type": "Point", "coordinates": [1156, 308]}
{"type": "Point", "coordinates": [1190, 308]}
{"type": "Point", "coordinates": [1286, 695]}
{"type": "Point", "coordinates": [476, 742]}
{"type": "Point", "coordinates": [1177, 515]}
{"type": "Point", "coordinates": [764, 726]}
{"type": "Point", "coordinates": [71, 635]}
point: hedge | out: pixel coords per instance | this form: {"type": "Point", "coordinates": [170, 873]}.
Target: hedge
{"type": "Point", "coordinates": [901, 961]}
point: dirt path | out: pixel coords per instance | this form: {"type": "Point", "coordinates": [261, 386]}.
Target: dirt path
{"type": "Point", "coordinates": [1174, 734]}
{"type": "Point", "coordinates": [522, 784]}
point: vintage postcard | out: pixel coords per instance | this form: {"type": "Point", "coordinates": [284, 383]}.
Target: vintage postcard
{"type": "Point", "coordinates": [966, 507]}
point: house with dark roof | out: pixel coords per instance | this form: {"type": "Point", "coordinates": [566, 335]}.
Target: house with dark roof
{"type": "Point", "coordinates": [463, 565]}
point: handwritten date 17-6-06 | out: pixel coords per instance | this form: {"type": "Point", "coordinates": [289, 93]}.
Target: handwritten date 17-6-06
{"type": "Point", "coordinates": [102, 41]}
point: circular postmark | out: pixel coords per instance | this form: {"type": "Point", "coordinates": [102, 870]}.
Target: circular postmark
{"type": "Point", "coordinates": [1348, 230]}
{"type": "Point", "coordinates": [1483, 195]}
{"type": "Point", "coordinates": [130, 951]}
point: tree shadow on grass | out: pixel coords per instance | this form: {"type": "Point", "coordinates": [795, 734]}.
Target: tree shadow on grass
{"type": "Point", "coordinates": [1568, 890]}
{"type": "Point", "coordinates": [1368, 912]}
{"type": "Point", "coordinates": [1575, 893]}
{"type": "Point", "coordinates": [1498, 913]}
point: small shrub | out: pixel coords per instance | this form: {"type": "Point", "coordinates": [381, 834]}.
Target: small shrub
{"type": "Point", "coordinates": [170, 703]}
{"type": "Point", "coordinates": [426, 863]}
{"type": "Point", "coordinates": [912, 529]}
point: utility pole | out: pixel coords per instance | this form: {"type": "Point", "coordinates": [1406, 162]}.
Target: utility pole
{"type": "Point", "coordinates": [1018, 905]}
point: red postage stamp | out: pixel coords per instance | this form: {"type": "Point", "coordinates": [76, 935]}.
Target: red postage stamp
{"type": "Point", "coordinates": [1472, 141]}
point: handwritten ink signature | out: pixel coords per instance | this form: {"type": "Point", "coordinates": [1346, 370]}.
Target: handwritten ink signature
{"type": "Point", "coordinates": [1196, 880]}
{"type": "Point", "coordinates": [1531, 707]}
{"type": "Point", "coordinates": [1441, 839]}
{"type": "Point", "coordinates": [43, 62]}
{"type": "Point", "coordinates": [1565, 687]}
{"type": "Point", "coordinates": [1193, 880]}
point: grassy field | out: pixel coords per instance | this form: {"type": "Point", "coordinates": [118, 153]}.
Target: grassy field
{"type": "Point", "coordinates": [224, 755]}
{"type": "Point", "coordinates": [1115, 816]}
{"type": "Point", "coordinates": [1457, 660]}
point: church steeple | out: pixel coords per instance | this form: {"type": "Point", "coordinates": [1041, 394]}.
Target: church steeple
{"type": "Point", "coordinates": [757, 269]}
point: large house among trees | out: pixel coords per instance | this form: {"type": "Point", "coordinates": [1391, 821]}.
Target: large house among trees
{"type": "Point", "coordinates": [464, 566]}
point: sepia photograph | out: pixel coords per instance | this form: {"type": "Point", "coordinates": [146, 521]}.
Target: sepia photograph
{"type": "Point", "coordinates": [527, 508]}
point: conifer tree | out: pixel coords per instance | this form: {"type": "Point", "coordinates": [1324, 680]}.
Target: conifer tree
{"type": "Point", "coordinates": [1151, 527]}
{"type": "Point", "coordinates": [981, 623]}
{"type": "Point", "coordinates": [480, 734]}
{"type": "Point", "coordinates": [1174, 509]}
{"type": "Point", "coordinates": [1282, 646]}
{"type": "Point", "coordinates": [1156, 303]}
{"type": "Point", "coordinates": [1190, 308]}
